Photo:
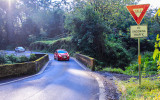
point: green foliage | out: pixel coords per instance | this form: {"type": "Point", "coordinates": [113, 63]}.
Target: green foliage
{"type": "Point", "coordinates": [32, 57]}
{"type": "Point", "coordinates": [9, 62]}
{"type": "Point", "coordinates": [23, 59]}
{"type": "Point", "coordinates": [38, 19]}
{"type": "Point", "coordinates": [157, 15]}
{"type": "Point", "coordinates": [132, 69]}
{"type": "Point", "coordinates": [132, 44]}
{"type": "Point", "coordinates": [121, 49]}
{"type": "Point", "coordinates": [51, 46]}
{"type": "Point", "coordinates": [2, 59]}
{"type": "Point", "coordinates": [113, 70]}
{"type": "Point", "coordinates": [12, 58]}
{"type": "Point", "coordinates": [148, 65]}
{"type": "Point", "coordinates": [98, 68]}
{"type": "Point", "coordinates": [149, 89]}
{"type": "Point", "coordinates": [88, 28]}
{"type": "Point", "coordinates": [99, 63]}
{"type": "Point", "coordinates": [116, 55]}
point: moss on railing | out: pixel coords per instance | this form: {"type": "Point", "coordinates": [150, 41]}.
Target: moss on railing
{"type": "Point", "coordinates": [87, 61]}
{"type": "Point", "coordinates": [20, 69]}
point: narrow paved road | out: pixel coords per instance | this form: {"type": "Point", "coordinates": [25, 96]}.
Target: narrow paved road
{"type": "Point", "coordinates": [61, 80]}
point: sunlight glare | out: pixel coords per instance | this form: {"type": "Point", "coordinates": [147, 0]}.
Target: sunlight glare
{"type": "Point", "coordinates": [153, 3]}
{"type": "Point", "coordinates": [9, 2]}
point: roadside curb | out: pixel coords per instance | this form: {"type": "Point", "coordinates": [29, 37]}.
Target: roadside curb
{"type": "Point", "coordinates": [102, 95]}
{"type": "Point", "coordinates": [40, 72]}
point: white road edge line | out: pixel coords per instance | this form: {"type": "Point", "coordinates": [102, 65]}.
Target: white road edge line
{"type": "Point", "coordinates": [100, 83]}
{"type": "Point", "coordinates": [41, 71]}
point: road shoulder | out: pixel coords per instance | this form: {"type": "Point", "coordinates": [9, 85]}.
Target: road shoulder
{"type": "Point", "coordinates": [107, 87]}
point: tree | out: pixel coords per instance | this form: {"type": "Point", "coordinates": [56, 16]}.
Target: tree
{"type": "Point", "coordinates": [157, 16]}
{"type": "Point", "coordinates": [89, 32]}
{"type": "Point", "coordinates": [23, 18]}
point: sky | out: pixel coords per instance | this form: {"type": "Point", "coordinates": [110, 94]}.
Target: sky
{"type": "Point", "coordinates": [153, 3]}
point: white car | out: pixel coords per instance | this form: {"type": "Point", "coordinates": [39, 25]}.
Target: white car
{"type": "Point", "coordinates": [19, 49]}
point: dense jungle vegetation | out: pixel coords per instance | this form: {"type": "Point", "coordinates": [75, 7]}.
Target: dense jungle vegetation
{"type": "Point", "coordinates": [97, 28]}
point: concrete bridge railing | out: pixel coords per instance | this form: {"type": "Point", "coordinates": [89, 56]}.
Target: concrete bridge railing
{"type": "Point", "coordinates": [20, 69]}
{"type": "Point", "coordinates": [87, 61]}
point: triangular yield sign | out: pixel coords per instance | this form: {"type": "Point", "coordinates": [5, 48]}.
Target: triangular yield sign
{"type": "Point", "coordinates": [138, 11]}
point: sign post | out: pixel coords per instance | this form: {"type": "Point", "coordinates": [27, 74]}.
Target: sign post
{"type": "Point", "coordinates": [139, 61]}
{"type": "Point", "coordinates": [138, 31]}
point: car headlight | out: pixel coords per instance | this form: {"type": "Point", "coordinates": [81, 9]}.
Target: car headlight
{"type": "Point", "coordinates": [60, 55]}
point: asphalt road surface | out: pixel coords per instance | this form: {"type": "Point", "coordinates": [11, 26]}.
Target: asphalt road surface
{"type": "Point", "coordinates": [61, 80]}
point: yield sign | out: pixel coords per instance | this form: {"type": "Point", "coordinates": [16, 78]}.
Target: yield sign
{"type": "Point", "coordinates": [138, 11]}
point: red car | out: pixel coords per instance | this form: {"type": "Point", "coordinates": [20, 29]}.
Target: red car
{"type": "Point", "coordinates": [61, 54]}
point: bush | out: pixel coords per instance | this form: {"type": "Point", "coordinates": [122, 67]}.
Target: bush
{"type": "Point", "coordinates": [116, 55]}
{"type": "Point", "coordinates": [32, 57]}
{"type": "Point", "coordinates": [88, 30]}
{"type": "Point", "coordinates": [130, 43]}
{"type": "Point", "coordinates": [132, 69]}
{"type": "Point", "coordinates": [148, 65]}
{"type": "Point", "coordinates": [23, 59]}
{"type": "Point", "coordinates": [12, 58]}
{"type": "Point", "coordinates": [149, 89]}
{"type": "Point", "coordinates": [3, 59]}
{"type": "Point", "coordinates": [63, 43]}
{"type": "Point", "coordinates": [98, 68]}
{"type": "Point", "coordinates": [99, 63]}
{"type": "Point", "coordinates": [114, 70]}
{"type": "Point", "coordinates": [133, 51]}
{"type": "Point", "coordinates": [8, 62]}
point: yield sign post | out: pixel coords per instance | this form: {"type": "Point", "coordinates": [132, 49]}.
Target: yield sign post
{"type": "Point", "coordinates": [138, 11]}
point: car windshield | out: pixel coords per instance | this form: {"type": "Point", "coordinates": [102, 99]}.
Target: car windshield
{"type": "Point", "coordinates": [20, 47]}
{"type": "Point", "coordinates": [61, 51]}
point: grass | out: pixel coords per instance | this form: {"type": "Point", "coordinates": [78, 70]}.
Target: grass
{"type": "Point", "coordinates": [113, 70]}
{"type": "Point", "coordinates": [50, 46]}
{"type": "Point", "coordinates": [48, 42]}
{"type": "Point", "coordinates": [149, 89]}
{"type": "Point", "coordinates": [53, 41]}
